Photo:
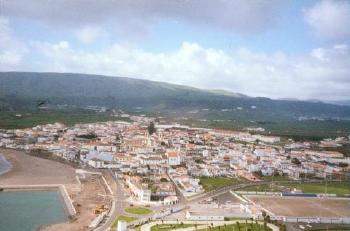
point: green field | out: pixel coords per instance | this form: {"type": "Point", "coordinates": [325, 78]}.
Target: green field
{"type": "Point", "coordinates": [123, 218]}
{"type": "Point", "coordinates": [286, 128]}
{"type": "Point", "coordinates": [138, 210]}
{"type": "Point", "coordinates": [9, 120]}
{"type": "Point", "coordinates": [332, 187]}
{"type": "Point", "coordinates": [339, 188]}
{"type": "Point", "coordinates": [275, 178]}
{"type": "Point", "coordinates": [168, 227]}
{"type": "Point", "coordinates": [240, 227]}
{"type": "Point", "coordinates": [212, 183]}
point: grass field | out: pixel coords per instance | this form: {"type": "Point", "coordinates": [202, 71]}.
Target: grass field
{"type": "Point", "coordinates": [240, 227]}
{"type": "Point", "coordinates": [138, 210]}
{"type": "Point", "coordinates": [168, 227]}
{"type": "Point", "coordinates": [338, 188]}
{"type": "Point", "coordinates": [275, 178]}
{"type": "Point", "coordinates": [332, 187]}
{"type": "Point", "coordinates": [212, 183]}
{"type": "Point", "coordinates": [9, 120]}
{"type": "Point", "coordinates": [123, 218]}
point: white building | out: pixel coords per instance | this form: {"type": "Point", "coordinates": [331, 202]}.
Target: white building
{"type": "Point", "coordinates": [173, 158]}
{"type": "Point", "coordinates": [122, 226]}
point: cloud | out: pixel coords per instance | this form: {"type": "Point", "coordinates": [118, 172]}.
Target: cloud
{"type": "Point", "coordinates": [89, 34]}
{"type": "Point", "coordinates": [321, 74]}
{"type": "Point", "coordinates": [330, 19]}
{"type": "Point", "coordinates": [11, 49]}
{"type": "Point", "coordinates": [238, 16]}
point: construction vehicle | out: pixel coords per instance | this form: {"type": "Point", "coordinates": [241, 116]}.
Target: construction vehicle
{"type": "Point", "coordinates": [100, 209]}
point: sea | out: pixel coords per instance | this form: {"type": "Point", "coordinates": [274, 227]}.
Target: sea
{"type": "Point", "coordinates": [4, 165]}
{"type": "Point", "coordinates": [30, 210]}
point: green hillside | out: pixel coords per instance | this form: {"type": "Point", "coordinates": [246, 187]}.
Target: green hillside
{"type": "Point", "coordinates": [21, 91]}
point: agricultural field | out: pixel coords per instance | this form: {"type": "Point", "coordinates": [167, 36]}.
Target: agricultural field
{"type": "Point", "coordinates": [27, 119]}
{"type": "Point", "coordinates": [212, 183]}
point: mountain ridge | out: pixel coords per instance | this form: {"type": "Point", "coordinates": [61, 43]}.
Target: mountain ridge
{"type": "Point", "coordinates": [24, 89]}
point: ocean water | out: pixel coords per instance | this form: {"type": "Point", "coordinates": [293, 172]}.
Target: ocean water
{"type": "Point", "coordinates": [27, 211]}
{"type": "Point", "coordinates": [4, 164]}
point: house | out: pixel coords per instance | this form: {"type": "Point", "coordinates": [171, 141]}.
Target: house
{"type": "Point", "coordinates": [170, 200]}
{"type": "Point", "coordinates": [96, 163]}
{"type": "Point", "coordinates": [173, 158]}
{"type": "Point", "coordinates": [138, 189]}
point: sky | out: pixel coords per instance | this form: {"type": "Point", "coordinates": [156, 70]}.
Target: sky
{"type": "Point", "coordinates": [296, 49]}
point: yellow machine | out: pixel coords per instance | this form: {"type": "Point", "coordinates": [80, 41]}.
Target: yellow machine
{"type": "Point", "coordinates": [100, 209]}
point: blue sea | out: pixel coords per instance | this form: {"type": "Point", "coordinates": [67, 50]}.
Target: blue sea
{"type": "Point", "coordinates": [4, 165]}
{"type": "Point", "coordinates": [28, 210]}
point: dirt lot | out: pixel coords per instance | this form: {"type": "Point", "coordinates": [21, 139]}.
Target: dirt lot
{"type": "Point", "coordinates": [27, 170]}
{"type": "Point", "coordinates": [85, 202]}
{"type": "Point", "coordinates": [304, 207]}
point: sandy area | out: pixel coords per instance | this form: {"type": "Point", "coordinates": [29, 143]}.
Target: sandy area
{"type": "Point", "coordinates": [304, 207]}
{"type": "Point", "coordinates": [85, 202]}
{"type": "Point", "coordinates": [30, 170]}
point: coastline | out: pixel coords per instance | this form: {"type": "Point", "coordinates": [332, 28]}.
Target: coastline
{"type": "Point", "coordinates": [6, 163]}
{"type": "Point", "coordinates": [61, 189]}
{"type": "Point", "coordinates": [17, 175]}
{"type": "Point", "coordinates": [32, 173]}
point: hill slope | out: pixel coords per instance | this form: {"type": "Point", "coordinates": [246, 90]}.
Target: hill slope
{"type": "Point", "coordinates": [25, 89]}
{"type": "Point", "coordinates": [20, 92]}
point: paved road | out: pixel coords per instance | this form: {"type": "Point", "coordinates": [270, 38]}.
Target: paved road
{"type": "Point", "coordinates": [117, 208]}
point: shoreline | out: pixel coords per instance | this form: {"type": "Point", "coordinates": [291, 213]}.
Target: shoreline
{"type": "Point", "coordinates": [61, 189]}
{"type": "Point", "coordinates": [8, 165]}
{"type": "Point", "coordinates": [31, 173]}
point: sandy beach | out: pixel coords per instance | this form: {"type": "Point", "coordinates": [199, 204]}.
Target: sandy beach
{"type": "Point", "coordinates": [27, 170]}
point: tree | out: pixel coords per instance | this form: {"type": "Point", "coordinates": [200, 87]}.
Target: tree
{"type": "Point", "coordinates": [264, 214]}
{"type": "Point", "coordinates": [296, 161]}
{"type": "Point", "coordinates": [151, 128]}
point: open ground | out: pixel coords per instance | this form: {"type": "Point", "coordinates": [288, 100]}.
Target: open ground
{"type": "Point", "coordinates": [304, 206]}
{"type": "Point", "coordinates": [85, 195]}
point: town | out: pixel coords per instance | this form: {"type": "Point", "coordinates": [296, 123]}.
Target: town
{"type": "Point", "coordinates": [167, 165]}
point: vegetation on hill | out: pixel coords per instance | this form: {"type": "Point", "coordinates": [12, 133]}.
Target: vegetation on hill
{"type": "Point", "coordinates": [31, 118]}
{"type": "Point", "coordinates": [27, 91]}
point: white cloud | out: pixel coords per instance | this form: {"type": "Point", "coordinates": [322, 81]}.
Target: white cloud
{"type": "Point", "coordinates": [11, 49]}
{"type": "Point", "coordinates": [330, 19]}
{"type": "Point", "coordinates": [239, 16]}
{"type": "Point", "coordinates": [322, 74]}
{"type": "Point", "coordinates": [89, 34]}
